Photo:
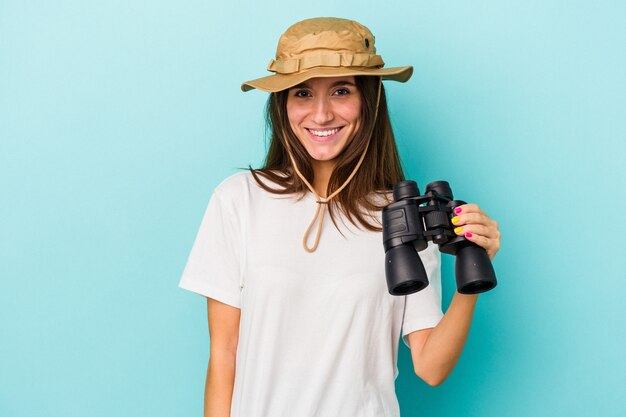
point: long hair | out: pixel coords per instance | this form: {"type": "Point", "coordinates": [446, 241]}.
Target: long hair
{"type": "Point", "coordinates": [380, 170]}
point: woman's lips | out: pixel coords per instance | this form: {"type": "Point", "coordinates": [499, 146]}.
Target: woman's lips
{"type": "Point", "coordinates": [324, 135]}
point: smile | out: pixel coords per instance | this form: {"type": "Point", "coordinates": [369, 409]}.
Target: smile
{"type": "Point", "coordinates": [324, 133]}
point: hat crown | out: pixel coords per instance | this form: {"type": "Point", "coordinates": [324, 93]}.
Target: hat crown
{"type": "Point", "coordinates": [325, 35]}
{"type": "Point", "coordinates": [325, 47]}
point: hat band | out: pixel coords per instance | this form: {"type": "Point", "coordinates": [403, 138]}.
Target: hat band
{"type": "Point", "coordinates": [289, 66]}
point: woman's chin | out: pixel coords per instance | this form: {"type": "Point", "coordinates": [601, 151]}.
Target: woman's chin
{"type": "Point", "coordinates": [325, 158]}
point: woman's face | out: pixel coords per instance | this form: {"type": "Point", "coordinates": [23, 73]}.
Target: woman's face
{"type": "Point", "coordinates": [324, 113]}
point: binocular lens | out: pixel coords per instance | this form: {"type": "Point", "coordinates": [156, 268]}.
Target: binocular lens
{"type": "Point", "coordinates": [408, 288]}
{"type": "Point", "coordinates": [474, 271]}
{"type": "Point", "coordinates": [404, 270]}
{"type": "Point", "coordinates": [477, 287]}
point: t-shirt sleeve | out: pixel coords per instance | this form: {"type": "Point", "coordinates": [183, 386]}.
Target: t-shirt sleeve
{"type": "Point", "coordinates": [422, 310]}
{"type": "Point", "coordinates": [214, 264]}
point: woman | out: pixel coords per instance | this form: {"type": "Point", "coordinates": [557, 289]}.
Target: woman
{"type": "Point", "coordinates": [310, 329]}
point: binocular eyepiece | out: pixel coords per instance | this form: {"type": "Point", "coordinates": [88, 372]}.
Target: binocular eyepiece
{"type": "Point", "coordinates": [413, 220]}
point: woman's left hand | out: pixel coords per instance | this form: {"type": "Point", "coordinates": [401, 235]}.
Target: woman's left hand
{"type": "Point", "coordinates": [477, 227]}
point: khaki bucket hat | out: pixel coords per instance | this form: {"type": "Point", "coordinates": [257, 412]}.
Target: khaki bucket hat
{"type": "Point", "coordinates": [325, 47]}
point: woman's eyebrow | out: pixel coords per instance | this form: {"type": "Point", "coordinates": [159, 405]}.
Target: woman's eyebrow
{"type": "Point", "coordinates": [338, 83]}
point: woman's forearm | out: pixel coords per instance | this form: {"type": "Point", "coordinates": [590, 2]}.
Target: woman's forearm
{"type": "Point", "coordinates": [220, 379]}
{"type": "Point", "coordinates": [444, 344]}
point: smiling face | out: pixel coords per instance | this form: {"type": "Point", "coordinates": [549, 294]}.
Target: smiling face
{"type": "Point", "coordinates": [324, 113]}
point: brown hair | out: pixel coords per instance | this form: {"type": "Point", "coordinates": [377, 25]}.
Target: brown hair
{"type": "Point", "coordinates": [380, 170]}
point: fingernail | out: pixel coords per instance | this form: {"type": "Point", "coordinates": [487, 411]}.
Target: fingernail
{"type": "Point", "coordinates": [455, 220]}
{"type": "Point", "coordinates": [458, 230]}
{"type": "Point", "coordinates": [468, 234]}
{"type": "Point", "coordinates": [457, 210]}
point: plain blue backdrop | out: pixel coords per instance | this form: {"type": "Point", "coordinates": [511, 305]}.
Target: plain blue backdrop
{"type": "Point", "coordinates": [117, 119]}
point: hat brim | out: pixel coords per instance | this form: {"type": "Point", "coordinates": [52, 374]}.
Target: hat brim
{"type": "Point", "coordinates": [279, 82]}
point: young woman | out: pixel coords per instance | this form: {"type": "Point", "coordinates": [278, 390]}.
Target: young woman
{"type": "Point", "coordinates": [304, 325]}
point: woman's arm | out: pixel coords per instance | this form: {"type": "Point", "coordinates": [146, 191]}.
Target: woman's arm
{"type": "Point", "coordinates": [220, 378]}
{"type": "Point", "coordinates": [436, 351]}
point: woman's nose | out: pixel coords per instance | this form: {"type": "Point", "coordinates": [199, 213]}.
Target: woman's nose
{"type": "Point", "coordinates": [322, 111]}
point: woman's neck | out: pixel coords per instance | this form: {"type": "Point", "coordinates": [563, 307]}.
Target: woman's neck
{"type": "Point", "coordinates": [322, 171]}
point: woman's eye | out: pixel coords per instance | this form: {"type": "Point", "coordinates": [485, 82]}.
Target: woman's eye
{"type": "Point", "coordinates": [301, 93]}
{"type": "Point", "coordinates": [342, 91]}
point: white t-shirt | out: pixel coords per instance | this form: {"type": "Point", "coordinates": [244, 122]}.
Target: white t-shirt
{"type": "Point", "coordinates": [319, 331]}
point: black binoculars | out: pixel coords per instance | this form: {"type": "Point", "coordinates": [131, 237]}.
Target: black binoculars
{"type": "Point", "coordinates": [413, 220]}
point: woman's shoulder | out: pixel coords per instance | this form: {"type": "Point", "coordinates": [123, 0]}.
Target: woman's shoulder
{"type": "Point", "coordinates": [242, 183]}
{"type": "Point", "coordinates": [234, 184]}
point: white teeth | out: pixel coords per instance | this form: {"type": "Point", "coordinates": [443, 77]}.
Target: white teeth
{"type": "Point", "coordinates": [323, 133]}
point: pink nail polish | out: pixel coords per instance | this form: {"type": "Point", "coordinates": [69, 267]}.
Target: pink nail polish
{"type": "Point", "coordinates": [468, 234]}
{"type": "Point", "coordinates": [457, 210]}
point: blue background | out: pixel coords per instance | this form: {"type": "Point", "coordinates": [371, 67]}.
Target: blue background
{"type": "Point", "coordinates": [118, 118]}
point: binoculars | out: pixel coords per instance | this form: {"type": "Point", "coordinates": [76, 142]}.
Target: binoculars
{"type": "Point", "coordinates": [413, 220]}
